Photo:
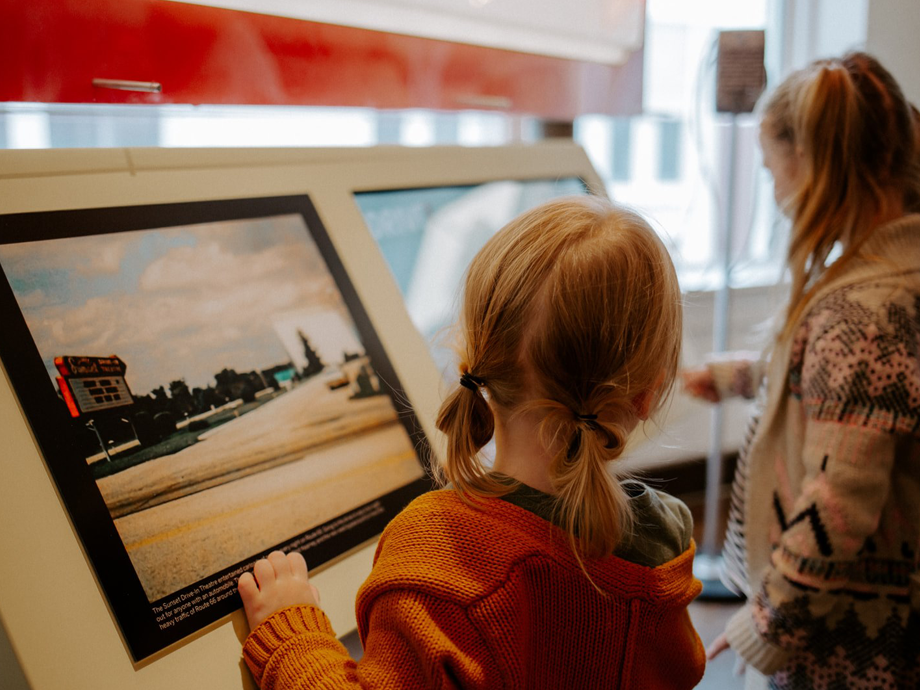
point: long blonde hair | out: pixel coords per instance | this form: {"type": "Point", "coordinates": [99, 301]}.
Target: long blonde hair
{"type": "Point", "coordinates": [577, 300]}
{"type": "Point", "coordinates": [848, 122]}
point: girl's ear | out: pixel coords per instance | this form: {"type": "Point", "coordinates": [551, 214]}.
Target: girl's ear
{"type": "Point", "coordinates": [642, 404]}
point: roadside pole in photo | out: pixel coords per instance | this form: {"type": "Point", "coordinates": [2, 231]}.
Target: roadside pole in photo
{"type": "Point", "coordinates": [133, 430]}
{"type": "Point", "coordinates": [92, 426]}
{"type": "Point", "coordinates": [739, 82]}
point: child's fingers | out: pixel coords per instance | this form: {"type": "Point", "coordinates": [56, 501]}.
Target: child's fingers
{"type": "Point", "coordinates": [280, 563]}
{"type": "Point", "coordinates": [298, 565]}
{"type": "Point", "coordinates": [698, 383]}
{"type": "Point", "coordinates": [248, 589]}
{"type": "Point", "coordinates": [719, 645]}
{"type": "Point", "coordinates": [299, 569]}
{"type": "Point", "coordinates": [264, 572]}
{"type": "Point", "coordinates": [276, 582]}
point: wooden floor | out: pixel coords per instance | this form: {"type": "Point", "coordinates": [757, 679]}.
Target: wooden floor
{"type": "Point", "coordinates": [710, 618]}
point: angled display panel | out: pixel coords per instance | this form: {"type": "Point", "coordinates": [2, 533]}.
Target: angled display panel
{"type": "Point", "coordinates": [204, 356]}
{"type": "Point", "coordinates": [205, 387]}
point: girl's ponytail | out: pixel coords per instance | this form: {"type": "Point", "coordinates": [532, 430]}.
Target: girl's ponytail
{"type": "Point", "coordinates": [856, 136]}
{"type": "Point", "coordinates": [590, 503]}
{"type": "Point", "coordinates": [827, 123]}
{"type": "Point", "coordinates": [467, 422]}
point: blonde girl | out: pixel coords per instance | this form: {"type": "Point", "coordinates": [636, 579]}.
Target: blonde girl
{"type": "Point", "coordinates": [824, 532]}
{"type": "Point", "coordinates": [543, 570]}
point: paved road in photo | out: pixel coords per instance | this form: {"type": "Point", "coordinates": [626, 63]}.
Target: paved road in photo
{"type": "Point", "coordinates": [292, 464]}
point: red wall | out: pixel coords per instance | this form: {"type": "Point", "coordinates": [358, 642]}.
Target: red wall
{"type": "Point", "coordinates": [51, 50]}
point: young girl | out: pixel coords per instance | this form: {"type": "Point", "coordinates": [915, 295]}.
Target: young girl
{"type": "Point", "coordinates": [824, 533]}
{"type": "Point", "coordinates": [542, 571]}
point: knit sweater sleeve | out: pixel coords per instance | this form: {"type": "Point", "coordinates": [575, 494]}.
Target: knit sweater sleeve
{"type": "Point", "coordinates": [296, 648]}
{"type": "Point", "coordinates": [407, 646]}
{"type": "Point", "coordinates": [736, 374]}
{"type": "Point", "coordinates": [855, 379]}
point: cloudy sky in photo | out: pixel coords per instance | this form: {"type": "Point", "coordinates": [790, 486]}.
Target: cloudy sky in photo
{"type": "Point", "coordinates": [173, 303]}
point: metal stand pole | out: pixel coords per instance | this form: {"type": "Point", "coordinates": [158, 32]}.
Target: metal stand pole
{"type": "Point", "coordinates": [91, 425]}
{"type": "Point", "coordinates": [708, 562]}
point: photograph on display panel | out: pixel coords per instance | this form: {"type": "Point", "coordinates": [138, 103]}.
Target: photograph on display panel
{"type": "Point", "coordinates": [429, 235]}
{"type": "Point", "coordinates": [205, 386]}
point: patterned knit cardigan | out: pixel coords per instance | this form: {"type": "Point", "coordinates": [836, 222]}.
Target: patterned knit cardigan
{"type": "Point", "coordinates": [831, 497]}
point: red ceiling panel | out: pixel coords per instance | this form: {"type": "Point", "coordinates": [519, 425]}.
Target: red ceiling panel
{"type": "Point", "coordinates": [52, 50]}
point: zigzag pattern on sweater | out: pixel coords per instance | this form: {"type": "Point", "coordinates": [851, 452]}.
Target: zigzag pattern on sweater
{"type": "Point", "coordinates": [884, 572]}
{"type": "Point", "coordinates": [845, 654]}
{"type": "Point", "coordinates": [867, 371]}
{"type": "Point", "coordinates": [814, 521]}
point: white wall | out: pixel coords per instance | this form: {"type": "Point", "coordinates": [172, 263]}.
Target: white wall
{"type": "Point", "coordinates": [889, 29]}
{"type": "Point", "coordinates": [812, 29]}
{"type": "Point", "coordinates": [894, 38]}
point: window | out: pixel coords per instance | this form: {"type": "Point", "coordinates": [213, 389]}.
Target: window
{"type": "Point", "coordinates": [43, 125]}
{"type": "Point", "coordinates": [622, 145]}
{"type": "Point", "coordinates": [669, 149]}
{"type": "Point", "coordinates": [671, 162]}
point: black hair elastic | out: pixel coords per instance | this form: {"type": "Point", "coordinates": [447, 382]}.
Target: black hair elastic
{"type": "Point", "coordinates": [471, 381]}
{"type": "Point", "coordinates": [590, 421]}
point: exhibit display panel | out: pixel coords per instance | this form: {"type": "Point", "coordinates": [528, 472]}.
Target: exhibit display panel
{"type": "Point", "coordinates": [245, 405]}
{"type": "Point", "coordinates": [429, 236]}
{"type": "Point", "coordinates": [205, 357]}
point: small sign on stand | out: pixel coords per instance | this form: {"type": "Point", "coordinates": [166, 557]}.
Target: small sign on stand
{"type": "Point", "coordinates": [740, 75]}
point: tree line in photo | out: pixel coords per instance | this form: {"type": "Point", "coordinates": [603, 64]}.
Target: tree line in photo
{"type": "Point", "coordinates": [172, 417]}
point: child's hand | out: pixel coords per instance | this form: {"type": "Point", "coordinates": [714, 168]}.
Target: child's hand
{"type": "Point", "coordinates": [718, 645]}
{"type": "Point", "coordinates": [699, 383]}
{"type": "Point", "coordinates": [279, 581]}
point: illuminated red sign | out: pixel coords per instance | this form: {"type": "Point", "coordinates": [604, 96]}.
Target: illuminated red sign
{"type": "Point", "coordinates": [89, 366]}
{"type": "Point", "coordinates": [90, 384]}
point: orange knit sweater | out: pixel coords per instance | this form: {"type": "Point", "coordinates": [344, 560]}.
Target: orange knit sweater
{"type": "Point", "coordinates": [491, 597]}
